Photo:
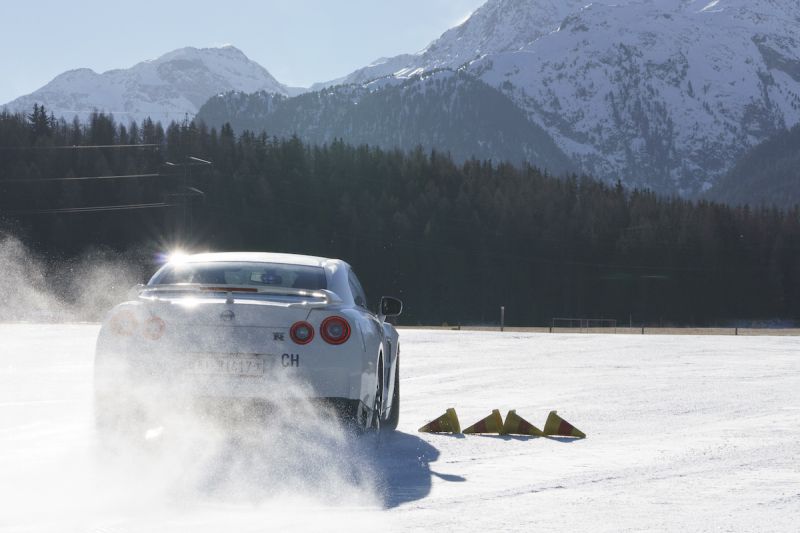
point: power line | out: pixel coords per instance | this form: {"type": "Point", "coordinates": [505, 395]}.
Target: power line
{"type": "Point", "coordinates": [81, 147]}
{"type": "Point", "coordinates": [102, 208]}
{"type": "Point", "coordinates": [80, 178]}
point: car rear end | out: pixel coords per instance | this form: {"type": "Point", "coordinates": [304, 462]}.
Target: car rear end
{"type": "Point", "coordinates": [220, 346]}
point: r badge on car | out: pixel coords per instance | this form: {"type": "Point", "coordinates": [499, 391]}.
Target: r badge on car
{"type": "Point", "coordinates": [228, 315]}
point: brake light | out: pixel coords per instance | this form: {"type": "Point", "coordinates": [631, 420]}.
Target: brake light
{"type": "Point", "coordinates": [302, 332]}
{"type": "Point", "coordinates": [124, 323]}
{"type": "Point", "coordinates": [154, 328]}
{"type": "Point", "coordinates": [335, 330]}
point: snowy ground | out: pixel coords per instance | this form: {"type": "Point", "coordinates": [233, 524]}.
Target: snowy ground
{"type": "Point", "coordinates": [684, 434]}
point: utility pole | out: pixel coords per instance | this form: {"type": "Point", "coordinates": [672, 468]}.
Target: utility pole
{"type": "Point", "coordinates": [502, 318]}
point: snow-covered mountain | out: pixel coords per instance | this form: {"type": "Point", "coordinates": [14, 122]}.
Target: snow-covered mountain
{"type": "Point", "coordinates": [168, 88]}
{"type": "Point", "coordinates": [497, 26]}
{"type": "Point", "coordinates": [663, 93]}
{"type": "Point", "coordinates": [445, 110]}
{"type": "Point", "coordinates": [660, 93]}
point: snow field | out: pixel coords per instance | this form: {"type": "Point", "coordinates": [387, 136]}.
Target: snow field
{"type": "Point", "coordinates": [684, 433]}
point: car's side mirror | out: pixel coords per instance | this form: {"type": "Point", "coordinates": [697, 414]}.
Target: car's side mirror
{"type": "Point", "coordinates": [391, 306]}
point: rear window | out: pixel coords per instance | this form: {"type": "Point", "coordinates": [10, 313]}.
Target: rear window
{"type": "Point", "coordinates": [243, 274]}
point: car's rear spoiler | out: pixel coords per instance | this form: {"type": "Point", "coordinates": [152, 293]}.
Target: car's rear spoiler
{"type": "Point", "coordinates": [326, 296]}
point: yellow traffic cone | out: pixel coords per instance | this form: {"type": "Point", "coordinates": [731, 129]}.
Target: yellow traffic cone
{"type": "Point", "coordinates": [491, 424]}
{"type": "Point", "coordinates": [447, 423]}
{"type": "Point", "coordinates": [516, 425]}
{"type": "Point", "coordinates": [557, 426]}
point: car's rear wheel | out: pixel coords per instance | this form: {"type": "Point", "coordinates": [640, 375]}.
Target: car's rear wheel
{"type": "Point", "coordinates": [394, 413]}
{"type": "Point", "coordinates": [377, 404]}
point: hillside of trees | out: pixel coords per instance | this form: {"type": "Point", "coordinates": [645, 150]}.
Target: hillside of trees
{"type": "Point", "coordinates": [768, 174]}
{"type": "Point", "coordinates": [454, 241]}
{"type": "Point", "coordinates": [449, 111]}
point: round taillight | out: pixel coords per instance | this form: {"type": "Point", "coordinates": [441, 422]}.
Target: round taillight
{"type": "Point", "coordinates": [154, 328]}
{"type": "Point", "coordinates": [124, 323]}
{"type": "Point", "coordinates": [335, 330]}
{"type": "Point", "coordinates": [302, 332]}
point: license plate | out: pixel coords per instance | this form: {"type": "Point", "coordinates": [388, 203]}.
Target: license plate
{"type": "Point", "coordinates": [227, 366]}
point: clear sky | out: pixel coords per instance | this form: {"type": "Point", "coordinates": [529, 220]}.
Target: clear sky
{"type": "Point", "coordinates": [299, 41]}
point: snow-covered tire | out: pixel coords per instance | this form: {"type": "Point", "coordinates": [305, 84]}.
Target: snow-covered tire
{"type": "Point", "coordinates": [394, 413]}
{"type": "Point", "coordinates": [376, 416]}
{"type": "Point", "coordinates": [368, 420]}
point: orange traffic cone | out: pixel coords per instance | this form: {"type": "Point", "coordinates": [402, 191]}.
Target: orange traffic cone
{"type": "Point", "coordinates": [447, 423]}
{"type": "Point", "coordinates": [491, 424]}
{"type": "Point", "coordinates": [516, 425]}
{"type": "Point", "coordinates": [557, 426]}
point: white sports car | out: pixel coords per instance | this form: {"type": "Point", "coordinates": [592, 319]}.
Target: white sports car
{"type": "Point", "coordinates": [226, 327]}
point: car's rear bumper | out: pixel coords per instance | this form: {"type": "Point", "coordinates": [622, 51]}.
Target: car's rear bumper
{"type": "Point", "coordinates": [271, 377]}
